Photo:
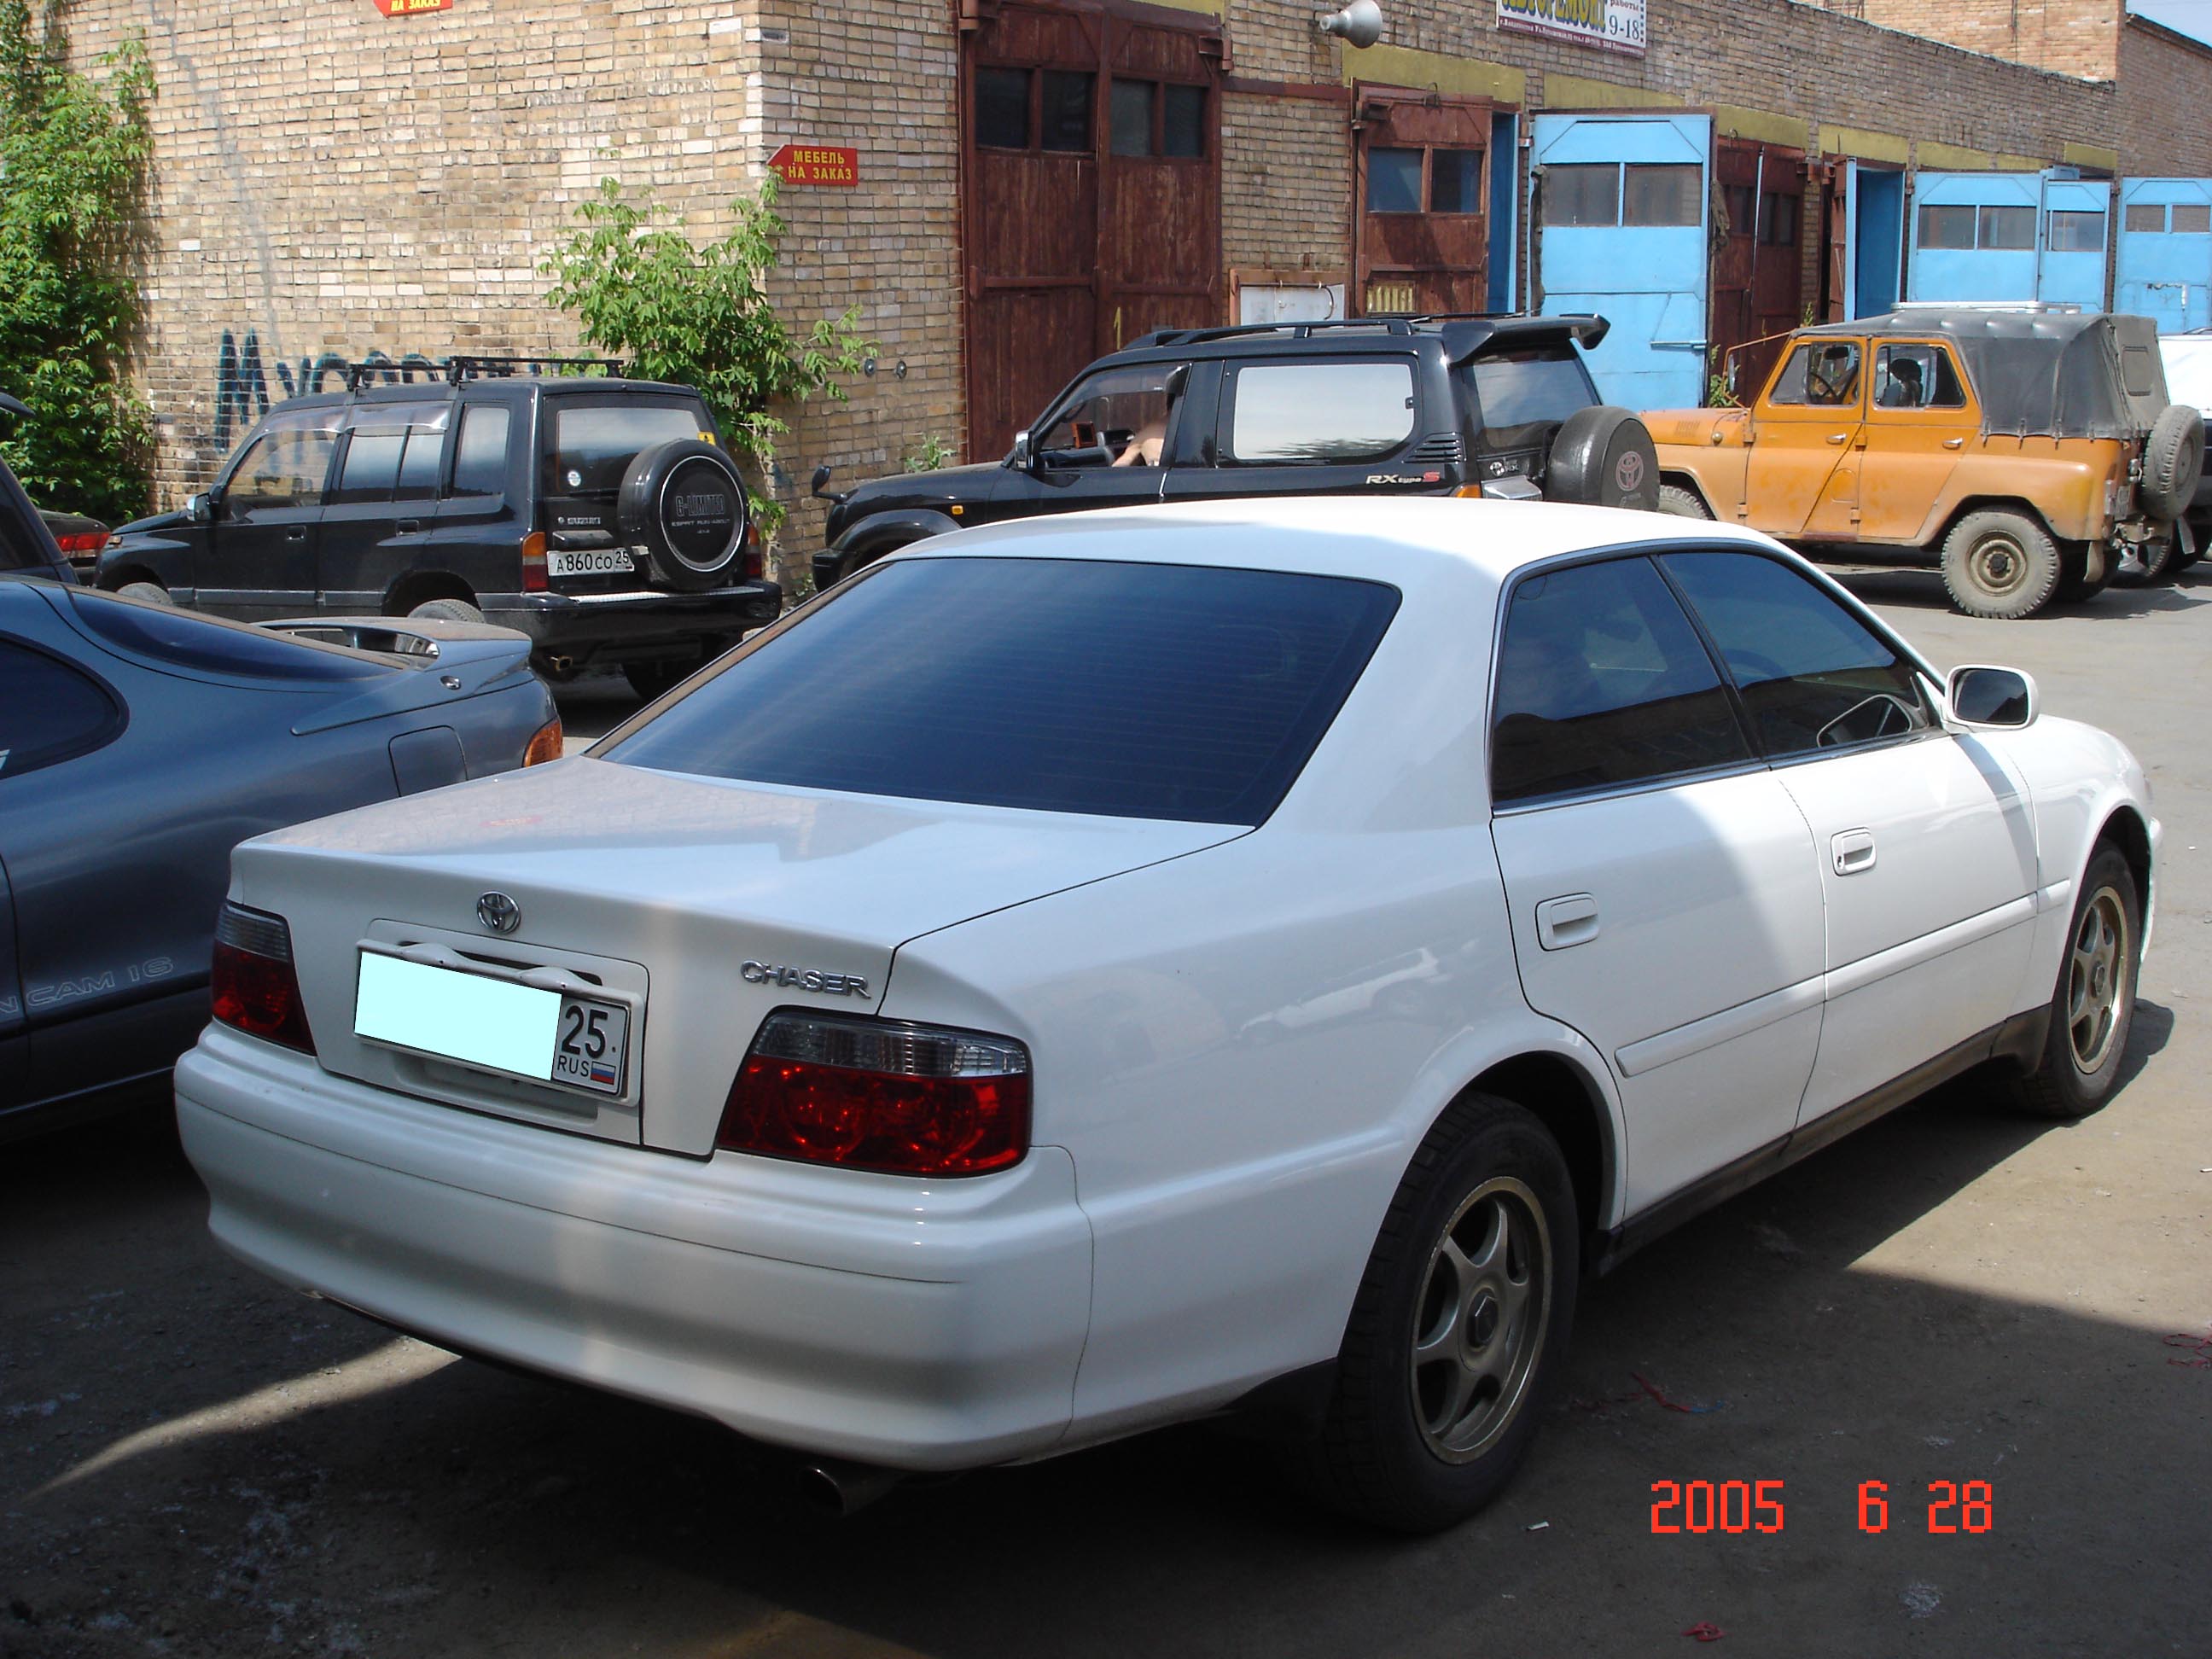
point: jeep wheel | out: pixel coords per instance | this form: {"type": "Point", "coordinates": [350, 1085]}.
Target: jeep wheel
{"type": "Point", "coordinates": [1460, 1323]}
{"type": "Point", "coordinates": [684, 503]}
{"type": "Point", "coordinates": [653, 679]}
{"type": "Point", "coordinates": [2156, 556]}
{"type": "Point", "coordinates": [2172, 459]}
{"type": "Point", "coordinates": [147, 592]}
{"type": "Point", "coordinates": [1683, 503]}
{"type": "Point", "coordinates": [2085, 571]}
{"type": "Point", "coordinates": [1602, 456]}
{"type": "Point", "coordinates": [459, 610]}
{"type": "Point", "coordinates": [1999, 565]}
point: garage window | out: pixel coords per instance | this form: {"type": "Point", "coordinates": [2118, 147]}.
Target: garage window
{"type": "Point", "coordinates": [2077, 232]}
{"type": "Point", "coordinates": [1582, 194]}
{"type": "Point", "coordinates": [2144, 218]}
{"type": "Point", "coordinates": [1663, 193]}
{"type": "Point", "coordinates": [1946, 228]}
{"type": "Point", "coordinates": [1310, 413]}
{"type": "Point", "coordinates": [1601, 683]}
{"type": "Point", "coordinates": [1182, 692]}
{"type": "Point", "coordinates": [2012, 228]}
{"type": "Point", "coordinates": [2192, 218]}
{"type": "Point", "coordinates": [1814, 678]}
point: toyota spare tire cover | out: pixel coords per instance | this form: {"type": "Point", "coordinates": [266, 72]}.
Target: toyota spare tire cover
{"type": "Point", "coordinates": [684, 503]}
{"type": "Point", "coordinates": [1602, 457]}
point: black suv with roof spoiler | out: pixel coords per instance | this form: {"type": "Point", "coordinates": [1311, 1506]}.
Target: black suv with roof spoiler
{"type": "Point", "coordinates": [1494, 405]}
{"type": "Point", "coordinates": [599, 515]}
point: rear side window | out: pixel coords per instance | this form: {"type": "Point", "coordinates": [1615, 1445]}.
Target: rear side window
{"type": "Point", "coordinates": [1812, 675]}
{"type": "Point", "coordinates": [594, 444]}
{"type": "Point", "coordinates": [182, 640]}
{"type": "Point", "coordinates": [1319, 412]}
{"type": "Point", "coordinates": [1601, 682]}
{"type": "Point", "coordinates": [50, 711]}
{"type": "Point", "coordinates": [391, 452]}
{"type": "Point", "coordinates": [480, 455]}
{"type": "Point", "coordinates": [1127, 690]}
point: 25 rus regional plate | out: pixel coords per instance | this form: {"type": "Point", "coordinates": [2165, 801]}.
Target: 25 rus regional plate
{"type": "Point", "coordinates": [572, 1040]}
{"type": "Point", "coordinates": [590, 561]}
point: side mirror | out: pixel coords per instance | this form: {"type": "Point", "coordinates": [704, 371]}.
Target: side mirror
{"type": "Point", "coordinates": [820, 485]}
{"type": "Point", "coordinates": [1983, 695]}
{"type": "Point", "coordinates": [200, 508]}
{"type": "Point", "coordinates": [1018, 457]}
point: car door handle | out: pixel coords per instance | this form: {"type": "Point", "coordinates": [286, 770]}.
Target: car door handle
{"type": "Point", "coordinates": [1839, 437]}
{"type": "Point", "coordinates": [298, 533]}
{"type": "Point", "coordinates": [409, 526]}
{"type": "Point", "coordinates": [1853, 850]}
{"type": "Point", "coordinates": [1566, 921]}
{"type": "Point", "coordinates": [1954, 443]}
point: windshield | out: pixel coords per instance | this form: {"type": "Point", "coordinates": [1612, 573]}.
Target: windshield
{"type": "Point", "coordinates": [1128, 690]}
{"type": "Point", "coordinates": [594, 444]}
{"type": "Point", "coordinates": [1522, 394]}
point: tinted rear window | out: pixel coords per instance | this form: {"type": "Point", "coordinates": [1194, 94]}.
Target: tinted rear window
{"type": "Point", "coordinates": [184, 641]}
{"type": "Point", "coordinates": [1523, 394]}
{"type": "Point", "coordinates": [1129, 690]}
{"type": "Point", "coordinates": [594, 444]}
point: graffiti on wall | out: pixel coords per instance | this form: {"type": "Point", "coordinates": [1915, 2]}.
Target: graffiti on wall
{"type": "Point", "coordinates": [241, 381]}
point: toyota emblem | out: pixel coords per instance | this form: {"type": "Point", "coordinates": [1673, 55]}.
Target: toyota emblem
{"type": "Point", "coordinates": [499, 913]}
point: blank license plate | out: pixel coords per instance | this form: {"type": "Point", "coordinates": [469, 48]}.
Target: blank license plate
{"type": "Point", "coordinates": [589, 562]}
{"type": "Point", "coordinates": [525, 1030]}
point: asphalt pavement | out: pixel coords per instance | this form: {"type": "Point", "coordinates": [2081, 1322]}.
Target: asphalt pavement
{"type": "Point", "coordinates": [193, 1461]}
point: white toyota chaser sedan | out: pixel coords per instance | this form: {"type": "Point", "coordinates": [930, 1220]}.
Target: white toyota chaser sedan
{"type": "Point", "coordinates": [1084, 974]}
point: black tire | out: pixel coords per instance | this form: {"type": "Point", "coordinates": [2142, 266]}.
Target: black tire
{"type": "Point", "coordinates": [2172, 461]}
{"type": "Point", "coordinates": [1683, 503]}
{"type": "Point", "coordinates": [684, 503]}
{"type": "Point", "coordinates": [2000, 563]}
{"type": "Point", "coordinates": [2091, 1013]}
{"type": "Point", "coordinates": [459, 610]}
{"type": "Point", "coordinates": [1603, 456]}
{"type": "Point", "coordinates": [1404, 1444]}
{"type": "Point", "coordinates": [653, 679]}
{"type": "Point", "coordinates": [2077, 560]}
{"type": "Point", "coordinates": [149, 592]}
{"type": "Point", "coordinates": [2156, 556]}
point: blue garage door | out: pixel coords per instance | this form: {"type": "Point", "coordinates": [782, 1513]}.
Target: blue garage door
{"type": "Point", "coordinates": [1875, 270]}
{"type": "Point", "coordinates": [1620, 215]}
{"type": "Point", "coordinates": [2010, 236]}
{"type": "Point", "coordinates": [2165, 268]}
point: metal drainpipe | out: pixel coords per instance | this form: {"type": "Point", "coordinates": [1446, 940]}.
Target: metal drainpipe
{"type": "Point", "coordinates": [2042, 227]}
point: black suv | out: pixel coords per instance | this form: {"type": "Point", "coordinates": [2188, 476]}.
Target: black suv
{"type": "Point", "coordinates": [1494, 405]}
{"type": "Point", "coordinates": [599, 515]}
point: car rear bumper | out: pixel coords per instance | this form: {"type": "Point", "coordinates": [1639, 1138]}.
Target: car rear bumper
{"type": "Point", "coordinates": [584, 626]}
{"type": "Point", "coordinates": [915, 1325]}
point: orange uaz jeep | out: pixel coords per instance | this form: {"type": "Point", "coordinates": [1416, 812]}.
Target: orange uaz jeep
{"type": "Point", "coordinates": [2032, 450]}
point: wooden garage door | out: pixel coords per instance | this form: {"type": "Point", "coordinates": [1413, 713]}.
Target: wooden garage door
{"type": "Point", "coordinates": [1092, 194]}
{"type": "Point", "coordinates": [1758, 267]}
{"type": "Point", "coordinates": [1423, 189]}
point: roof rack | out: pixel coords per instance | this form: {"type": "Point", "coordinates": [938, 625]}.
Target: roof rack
{"type": "Point", "coordinates": [455, 370]}
{"type": "Point", "coordinates": [1300, 331]}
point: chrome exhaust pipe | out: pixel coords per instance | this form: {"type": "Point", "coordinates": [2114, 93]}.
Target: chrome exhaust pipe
{"type": "Point", "coordinates": [840, 1487]}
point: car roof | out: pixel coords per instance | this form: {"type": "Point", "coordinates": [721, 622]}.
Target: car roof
{"type": "Point", "coordinates": [1459, 338]}
{"type": "Point", "coordinates": [1409, 540]}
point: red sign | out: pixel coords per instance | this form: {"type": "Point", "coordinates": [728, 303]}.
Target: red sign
{"type": "Point", "coordinates": [402, 7]}
{"type": "Point", "coordinates": [816, 164]}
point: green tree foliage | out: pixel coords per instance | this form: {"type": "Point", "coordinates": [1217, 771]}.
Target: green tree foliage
{"type": "Point", "coordinates": [701, 315]}
{"type": "Point", "coordinates": [74, 153]}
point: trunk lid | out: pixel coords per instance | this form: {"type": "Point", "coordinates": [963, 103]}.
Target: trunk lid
{"type": "Point", "coordinates": [676, 895]}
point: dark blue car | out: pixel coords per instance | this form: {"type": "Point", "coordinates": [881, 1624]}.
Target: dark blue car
{"type": "Point", "coordinates": [138, 744]}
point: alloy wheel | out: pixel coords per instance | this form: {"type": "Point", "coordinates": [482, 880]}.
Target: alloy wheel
{"type": "Point", "coordinates": [1479, 1323]}
{"type": "Point", "coordinates": [2095, 979]}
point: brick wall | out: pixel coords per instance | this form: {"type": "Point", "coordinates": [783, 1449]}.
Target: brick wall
{"type": "Point", "coordinates": [1285, 188]}
{"type": "Point", "coordinates": [2163, 77]}
{"type": "Point", "coordinates": [2071, 36]}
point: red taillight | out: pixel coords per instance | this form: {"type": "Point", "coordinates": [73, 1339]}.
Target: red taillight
{"type": "Point", "coordinates": [256, 990]}
{"type": "Point", "coordinates": [755, 565]}
{"type": "Point", "coordinates": [545, 745]}
{"type": "Point", "coordinates": [86, 541]}
{"type": "Point", "coordinates": [871, 1094]}
{"type": "Point", "coordinates": [533, 562]}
